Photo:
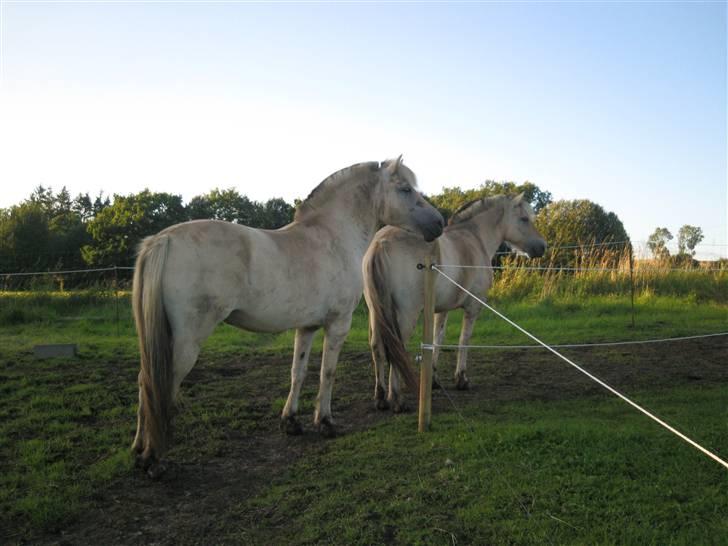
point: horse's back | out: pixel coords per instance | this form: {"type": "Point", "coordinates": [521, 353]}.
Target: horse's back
{"type": "Point", "coordinates": [402, 251]}
{"type": "Point", "coordinates": [398, 251]}
{"type": "Point", "coordinates": [262, 280]}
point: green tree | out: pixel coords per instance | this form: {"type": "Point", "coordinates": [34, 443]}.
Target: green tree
{"type": "Point", "coordinates": [24, 237]}
{"type": "Point", "coordinates": [275, 213]}
{"type": "Point", "coordinates": [452, 198]}
{"type": "Point", "coordinates": [227, 205]}
{"type": "Point", "coordinates": [578, 231]}
{"type": "Point", "coordinates": [118, 228]}
{"type": "Point", "coordinates": [230, 206]}
{"type": "Point", "coordinates": [657, 243]}
{"type": "Point", "coordinates": [43, 232]}
{"type": "Point", "coordinates": [88, 209]}
{"type": "Point", "coordinates": [688, 238]}
{"type": "Point", "coordinates": [44, 198]}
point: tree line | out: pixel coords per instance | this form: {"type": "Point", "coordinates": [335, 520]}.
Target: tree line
{"type": "Point", "coordinates": [52, 231]}
{"type": "Point", "coordinates": [688, 237]}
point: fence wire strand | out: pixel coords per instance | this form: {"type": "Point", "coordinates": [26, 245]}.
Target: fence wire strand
{"type": "Point", "coordinates": [63, 272]}
{"type": "Point", "coordinates": [573, 345]}
{"type": "Point", "coordinates": [588, 374]}
{"type": "Point", "coordinates": [575, 269]}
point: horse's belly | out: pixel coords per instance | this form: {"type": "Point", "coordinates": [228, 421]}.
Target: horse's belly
{"type": "Point", "coordinates": [273, 320]}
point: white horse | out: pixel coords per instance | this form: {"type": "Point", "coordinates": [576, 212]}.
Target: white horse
{"type": "Point", "coordinates": [393, 286]}
{"type": "Point", "coordinates": [306, 275]}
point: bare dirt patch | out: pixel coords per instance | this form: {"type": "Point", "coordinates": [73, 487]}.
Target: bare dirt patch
{"type": "Point", "coordinates": [189, 505]}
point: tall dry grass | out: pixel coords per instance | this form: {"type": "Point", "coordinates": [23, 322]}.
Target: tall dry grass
{"type": "Point", "coordinates": [608, 270]}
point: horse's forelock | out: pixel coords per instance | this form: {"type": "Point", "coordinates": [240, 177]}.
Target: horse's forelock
{"type": "Point", "coordinates": [406, 174]}
{"type": "Point", "coordinates": [528, 209]}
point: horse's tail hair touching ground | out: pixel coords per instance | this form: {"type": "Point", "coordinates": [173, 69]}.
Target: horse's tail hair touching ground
{"type": "Point", "coordinates": [156, 399]}
{"type": "Point", "coordinates": [384, 330]}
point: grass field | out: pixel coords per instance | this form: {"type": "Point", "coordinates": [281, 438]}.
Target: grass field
{"type": "Point", "coordinates": [534, 458]}
{"type": "Point", "coordinates": [533, 473]}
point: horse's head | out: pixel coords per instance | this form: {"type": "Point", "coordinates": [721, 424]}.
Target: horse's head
{"type": "Point", "coordinates": [401, 205]}
{"type": "Point", "coordinates": [520, 231]}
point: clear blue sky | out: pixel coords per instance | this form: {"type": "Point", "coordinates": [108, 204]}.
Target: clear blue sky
{"type": "Point", "coordinates": [620, 103]}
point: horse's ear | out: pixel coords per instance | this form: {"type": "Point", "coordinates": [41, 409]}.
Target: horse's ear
{"type": "Point", "coordinates": [392, 165]}
{"type": "Point", "coordinates": [518, 199]}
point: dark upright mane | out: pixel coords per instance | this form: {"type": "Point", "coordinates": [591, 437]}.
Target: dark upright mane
{"type": "Point", "coordinates": [311, 201]}
{"type": "Point", "coordinates": [476, 206]}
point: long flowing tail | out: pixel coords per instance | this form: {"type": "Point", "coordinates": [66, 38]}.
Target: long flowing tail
{"type": "Point", "coordinates": [384, 328]}
{"type": "Point", "coordinates": [156, 401]}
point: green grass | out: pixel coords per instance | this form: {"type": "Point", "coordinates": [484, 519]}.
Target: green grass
{"type": "Point", "coordinates": [573, 472]}
{"type": "Point", "coordinates": [91, 321]}
{"type": "Point", "coordinates": [63, 433]}
{"type": "Point", "coordinates": [608, 478]}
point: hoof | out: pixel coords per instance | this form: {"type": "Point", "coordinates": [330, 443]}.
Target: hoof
{"type": "Point", "coordinates": [291, 426]}
{"type": "Point", "coordinates": [399, 406]}
{"type": "Point", "coordinates": [436, 384]}
{"type": "Point", "coordinates": [463, 383]}
{"type": "Point", "coordinates": [327, 428]}
{"type": "Point", "coordinates": [156, 469]}
{"type": "Point", "coordinates": [141, 462]}
{"type": "Point", "coordinates": [382, 404]}
{"type": "Point", "coordinates": [151, 465]}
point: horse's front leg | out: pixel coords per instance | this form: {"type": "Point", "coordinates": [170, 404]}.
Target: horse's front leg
{"type": "Point", "coordinates": [301, 352]}
{"type": "Point", "coordinates": [469, 317]}
{"type": "Point", "coordinates": [336, 333]}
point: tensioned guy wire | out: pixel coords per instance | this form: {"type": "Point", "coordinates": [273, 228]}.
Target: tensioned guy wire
{"type": "Point", "coordinates": [589, 375]}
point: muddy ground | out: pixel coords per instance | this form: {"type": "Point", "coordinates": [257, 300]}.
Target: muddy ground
{"type": "Point", "coordinates": [188, 505]}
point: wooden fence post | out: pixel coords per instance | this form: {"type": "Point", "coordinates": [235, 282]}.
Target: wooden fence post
{"type": "Point", "coordinates": [428, 325]}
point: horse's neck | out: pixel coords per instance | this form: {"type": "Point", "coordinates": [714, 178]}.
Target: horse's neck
{"type": "Point", "coordinates": [351, 221]}
{"type": "Point", "coordinates": [490, 228]}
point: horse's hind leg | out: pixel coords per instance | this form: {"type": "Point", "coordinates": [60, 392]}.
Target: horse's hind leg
{"type": "Point", "coordinates": [335, 335]}
{"type": "Point", "coordinates": [469, 317]}
{"type": "Point", "coordinates": [379, 361]}
{"type": "Point", "coordinates": [138, 444]}
{"type": "Point", "coordinates": [301, 352]}
{"type": "Point", "coordinates": [185, 350]}
{"type": "Point", "coordinates": [440, 326]}
{"type": "Point", "coordinates": [407, 323]}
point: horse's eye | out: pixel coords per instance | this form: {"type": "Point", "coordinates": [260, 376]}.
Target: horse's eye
{"type": "Point", "coordinates": [524, 219]}
{"type": "Point", "coordinates": [405, 189]}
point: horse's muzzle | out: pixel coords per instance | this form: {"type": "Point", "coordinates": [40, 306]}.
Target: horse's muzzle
{"type": "Point", "coordinates": [536, 249]}
{"type": "Point", "coordinates": [433, 230]}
